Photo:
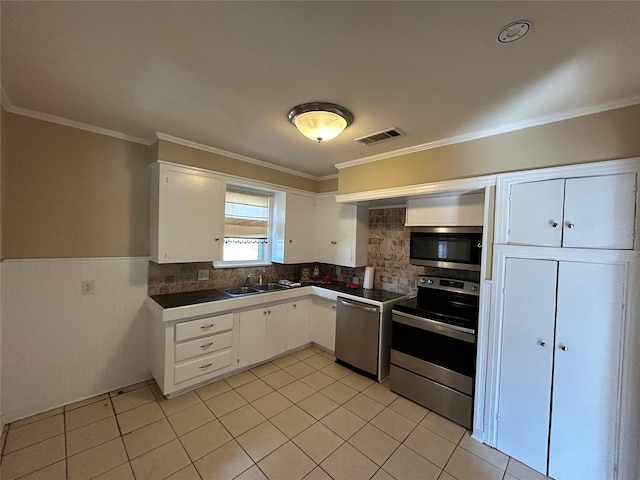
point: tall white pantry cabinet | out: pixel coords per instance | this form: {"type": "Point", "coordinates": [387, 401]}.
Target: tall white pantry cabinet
{"type": "Point", "coordinates": [564, 393]}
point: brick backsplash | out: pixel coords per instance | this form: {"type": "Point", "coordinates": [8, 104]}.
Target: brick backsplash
{"type": "Point", "coordinates": [388, 253]}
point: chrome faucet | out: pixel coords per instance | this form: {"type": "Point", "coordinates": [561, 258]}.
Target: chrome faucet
{"type": "Point", "coordinates": [246, 280]}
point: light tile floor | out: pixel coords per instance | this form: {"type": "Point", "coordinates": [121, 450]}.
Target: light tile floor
{"type": "Point", "coordinates": [301, 416]}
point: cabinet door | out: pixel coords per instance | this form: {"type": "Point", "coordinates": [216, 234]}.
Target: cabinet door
{"type": "Point", "coordinates": [300, 319]}
{"type": "Point", "coordinates": [535, 213]}
{"type": "Point", "coordinates": [327, 215]}
{"type": "Point", "coordinates": [191, 217]}
{"type": "Point", "coordinates": [527, 360]}
{"type": "Point", "coordinates": [446, 210]}
{"type": "Point", "coordinates": [599, 212]}
{"type": "Point", "coordinates": [345, 231]}
{"type": "Point", "coordinates": [277, 329]}
{"type": "Point", "coordinates": [586, 371]}
{"type": "Point", "coordinates": [252, 337]}
{"type": "Point", "coordinates": [300, 229]}
{"type": "Point", "coordinates": [323, 324]}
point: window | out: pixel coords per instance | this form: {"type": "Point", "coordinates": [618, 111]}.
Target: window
{"type": "Point", "coordinates": [246, 228]}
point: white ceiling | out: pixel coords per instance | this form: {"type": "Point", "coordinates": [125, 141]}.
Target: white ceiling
{"type": "Point", "coordinates": [225, 74]}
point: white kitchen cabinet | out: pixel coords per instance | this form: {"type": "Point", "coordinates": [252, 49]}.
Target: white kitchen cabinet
{"type": "Point", "coordinates": [323, 323]}
{"type": "Point", "coordinates": [287, 327]}
{"type": "Point", "coordinates": [588, 212]}
{"type": "Point", "coordinates": [342, 233]}
{"type": "Point", "coordinates": [187, 214]}
{"type": "Point", "coordinates": [446, 210]}
{"type": "Point", "coordinates": [190, 352]}
{"type": "Point", "coordinates": [294, 228]}
{"type": "Point", "coordinates": [559, 379]}
{"type": "Point", "coordinates": [252, 336]}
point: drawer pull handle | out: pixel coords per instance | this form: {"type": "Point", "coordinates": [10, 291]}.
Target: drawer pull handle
{"type": "Point", "coordinates": [205, 366]}
{"type": "Point", "coordinates": [206, 327]}
{"type": "Point", "coordinates": [206, 345]}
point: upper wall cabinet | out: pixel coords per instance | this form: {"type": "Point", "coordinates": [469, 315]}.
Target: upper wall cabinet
{"type": "Point", "coordinates": [586, 212]}
{"type": "Point", "coordinates": [342, 233]}
{"type": "Point", "coordinates": [449, 210]}
{"type": "Point", "coordinates": [187, 215]}
{"type": "Point", "coordinates": [293, 231]}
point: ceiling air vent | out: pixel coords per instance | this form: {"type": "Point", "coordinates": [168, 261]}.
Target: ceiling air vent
{"type": "Point", "coordinates": [379, 136]}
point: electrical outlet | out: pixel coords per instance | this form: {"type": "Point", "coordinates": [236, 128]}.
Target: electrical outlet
{"type": "Point", "coordinates": [87, 287]}
{"type": "Point", "coordinates": [203, 274]}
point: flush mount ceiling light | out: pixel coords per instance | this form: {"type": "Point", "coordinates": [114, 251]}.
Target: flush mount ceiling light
{"type": "Point", "coordinates": [514, 31]}
{"type": "Point", "coordinates": [320, 121]}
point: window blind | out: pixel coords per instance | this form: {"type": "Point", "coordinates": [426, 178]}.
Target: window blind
{"type": "Point", "coordinates": [246, 217]}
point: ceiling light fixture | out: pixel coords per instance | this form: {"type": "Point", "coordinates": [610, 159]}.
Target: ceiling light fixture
{"type": "Point", "coordinates": [320, 121]}
{"type": "Point", "coordinates": [514, 31]}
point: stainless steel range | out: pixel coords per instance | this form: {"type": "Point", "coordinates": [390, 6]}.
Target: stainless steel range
{"type": "Point", "coordinates": [433, 347]}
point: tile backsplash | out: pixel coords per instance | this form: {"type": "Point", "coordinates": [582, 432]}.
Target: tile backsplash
{"type": "Point", "coordinates": [388, 253]}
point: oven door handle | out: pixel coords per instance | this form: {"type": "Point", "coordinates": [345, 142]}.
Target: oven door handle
{"type": "Point", "coordinates": [453, 331]}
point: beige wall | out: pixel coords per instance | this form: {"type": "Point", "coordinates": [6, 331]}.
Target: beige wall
{"type": "Point", "coordinates": [326, 186]}
{"type": "Point", "coordinates": [604, 136]}
{"type": "Point", "coordinates": [173, 152]}
{"type": "Point", "coordinates": [71, 193]}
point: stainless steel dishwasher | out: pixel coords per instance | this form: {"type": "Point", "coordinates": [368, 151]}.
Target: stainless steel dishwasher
{"type": "Point", "coordinates": [358, 335]}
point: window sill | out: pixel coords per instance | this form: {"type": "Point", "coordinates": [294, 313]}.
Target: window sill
{"type": "Point", "coordinates": [222, 264]}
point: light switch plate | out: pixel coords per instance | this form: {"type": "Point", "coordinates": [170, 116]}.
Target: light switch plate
{"type": "Point", "coordinates": [203, 274]}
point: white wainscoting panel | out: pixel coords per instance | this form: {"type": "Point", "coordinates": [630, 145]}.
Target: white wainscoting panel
{"type": "Point", "coordinates": [59, 346]}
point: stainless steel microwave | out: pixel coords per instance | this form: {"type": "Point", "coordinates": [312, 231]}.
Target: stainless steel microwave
{"type": "Point", "coordinates": [446, 247]}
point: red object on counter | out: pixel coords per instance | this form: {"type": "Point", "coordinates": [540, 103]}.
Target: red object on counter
{"type": "Point", "coordinates": [351, 285]}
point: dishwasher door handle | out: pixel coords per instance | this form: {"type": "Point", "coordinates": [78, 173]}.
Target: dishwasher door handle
{"type": "Point", "coordinates": [357, 305]}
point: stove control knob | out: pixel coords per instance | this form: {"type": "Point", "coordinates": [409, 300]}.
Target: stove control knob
{"type": "Point", "coordinates": [429, 281]}
{"type": "Point", "coordinates": [474, 288]}
{"type": "Point", "coordinates": [422, 280]}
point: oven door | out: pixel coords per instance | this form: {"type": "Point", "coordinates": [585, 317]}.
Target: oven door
{"type": "Point", "coordinates": [440, 352]}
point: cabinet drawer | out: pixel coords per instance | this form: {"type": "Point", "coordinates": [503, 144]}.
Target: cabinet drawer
{"type": "Point", "coordinates": [203, 346]}
{"type": "Point", "coordinates": [202, 366]}
{"type": "Point", "coordinates": [203, 326]}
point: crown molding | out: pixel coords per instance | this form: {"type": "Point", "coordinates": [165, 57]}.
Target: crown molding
{"type": "Point", "coordinates": [510, 127]}
{"type": "Point", "coordinates": [9, 107]}
{"type": "Point", "coordinates": [218, 151]}
{"type": "Point", "coordinates": [445, 187]}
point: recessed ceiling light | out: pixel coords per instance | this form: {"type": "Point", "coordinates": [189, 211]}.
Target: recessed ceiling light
{"type": "Point", "coordinates": [514, 31]}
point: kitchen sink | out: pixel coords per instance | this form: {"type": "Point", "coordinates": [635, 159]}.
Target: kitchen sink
{"type": "Point", "coordinates": [238, 291]}
{"type": "Point", "coordinates": [270, 287]}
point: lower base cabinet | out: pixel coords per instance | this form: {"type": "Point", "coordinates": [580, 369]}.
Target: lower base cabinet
{"type": "Point", "coordinates": [272, 330]}
{"type": "Point", "coordinates": [323, 323]}
{"type": "Point", "coordinates": [559, 402]}
{"type": "Point", "coordinates": [190, 352]}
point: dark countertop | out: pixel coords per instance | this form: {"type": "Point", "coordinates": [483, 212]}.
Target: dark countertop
{"type": "Point", "coordinates": [172, 300]}
{"type": "Point", "coordinates": [373, 294]}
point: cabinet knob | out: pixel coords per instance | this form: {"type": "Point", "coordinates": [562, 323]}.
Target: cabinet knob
{"type": "Point", "coordinates": [570, 225]}
{"type": "Point", "coordinates": [217, 239]}
{"type": "Point", "coordinates": [564, 348]}
{"type": "Point", "coordinates": [542, 344]}
{"type": "Point", "coordinates": [553, 224]}
{"type": "Point", "coordinates": [290, 241]}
